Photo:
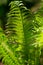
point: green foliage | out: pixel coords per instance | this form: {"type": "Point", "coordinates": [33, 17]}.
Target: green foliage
{"type": "Point", "coordinates": [3, 2]}
{"type": "Point", "coordinates": [5, 51]}
{"type": "Point", "coordinates": [21, 40]}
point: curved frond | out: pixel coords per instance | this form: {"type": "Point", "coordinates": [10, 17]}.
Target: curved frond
{"type": "Point", "coordinates": [21, 28]}
{"type": "Point", "coordinates": [20, 45]}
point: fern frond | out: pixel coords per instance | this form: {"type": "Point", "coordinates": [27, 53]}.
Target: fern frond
{"type": "Point", "coordinates": [6, 53]}
{"type": "Point", "coordinates": [18, 16]}
{"type": "Point", "coordinates": [39, 18]}
{"type": "Point", "coordinates": [21, 28]}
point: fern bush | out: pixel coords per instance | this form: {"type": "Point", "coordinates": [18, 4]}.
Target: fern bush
{"type": "Point", "coordinates": [22, 38]}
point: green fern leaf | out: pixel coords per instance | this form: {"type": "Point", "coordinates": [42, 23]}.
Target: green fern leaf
{"type": "Point", "coordinates": [21, 29]}
{"type": "Point", "coordinates": [6, 54]}
{"type": "Point", "coordinates": [20, 45]}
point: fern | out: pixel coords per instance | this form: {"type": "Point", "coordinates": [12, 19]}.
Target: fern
{"type": "Point", "coordinates": [5, 51]}
{"type": "Point", "coordinates": [20, 29]}
{"type": "Point", "coordinates": [20, 43]}
{"type": "Point", "coordinates": [40, 35]}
